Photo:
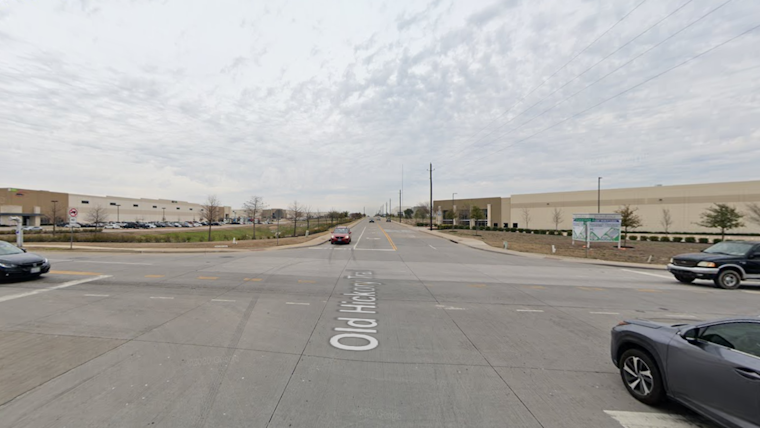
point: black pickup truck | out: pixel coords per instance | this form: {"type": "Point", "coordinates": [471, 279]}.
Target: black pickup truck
{"type": "Point", "coordinates": [726, 263]}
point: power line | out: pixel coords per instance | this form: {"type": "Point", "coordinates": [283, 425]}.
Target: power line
{"type": "Point", "coordinates": [553, 74]}
{"type": "Point", "coordinates": [595, 64]}
{"type": "Point", "coordinates": [624, 91]}
{"type": "Point", "coordinates": [603, 77]}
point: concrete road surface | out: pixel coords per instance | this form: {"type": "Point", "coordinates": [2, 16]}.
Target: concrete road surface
{"type": "Point", "coordinates": [397, 329]}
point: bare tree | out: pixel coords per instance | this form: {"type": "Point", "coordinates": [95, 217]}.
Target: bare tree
{"type": "Point", "coordinates": [97, 215]}
{"type": "Point", "coordinates": [667, 220]}
{"type": "Point", "coordinates": [422, 210]}
{"type": "Point", "coordinates": [307, 210]}
{"type": "Point", "coordinates": [211, 211]}
{"type": "Point", "coordinates": [252, 208]}
{"type": "Point", "coordinates": [557, 217]}
{"type": "Point", "coordinates": [297, 210]}
{"type": "Point", "coordinates": [754, 213]}
{"type": "Point", "coordinates": [526, 217]}
{"type": "Point", "coordinates": [55, 214]}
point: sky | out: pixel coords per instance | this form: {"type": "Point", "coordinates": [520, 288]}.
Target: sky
{"type": "Point", "coordinates": [326, 102]}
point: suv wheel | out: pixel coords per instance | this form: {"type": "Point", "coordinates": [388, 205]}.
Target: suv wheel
{"type": "Point", "coordinates": [685, 279]}
{"type": "Point", "coordinates": [641, 377]}
{"type": "Point", "coordinates": [728, 279]}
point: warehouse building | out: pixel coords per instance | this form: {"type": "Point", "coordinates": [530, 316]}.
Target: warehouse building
{"type": "Point", "coordinates": [683, 203]}
{"type": "Point", "coordinates": [39, 207]}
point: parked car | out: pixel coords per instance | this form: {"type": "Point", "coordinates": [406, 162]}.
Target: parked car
{"type": "Point", "coordinates": [341, 235]}
{"type": "Point", "coordinates": [130, 225]}
{"type": "Point", "coordinates": [726, 263]}
{"type": "Point", "coordinates": [712, 367]}
{"type": "Point", "coordinates": [17, 263]}
{"type": "Point", "coordinates": [73, 225]}
{"type": "Point", "coordinates": [186, 224]}
{"type": "Point", "coordinates": [112, 226]}
{"type": "Point", "coordinates": [31, 229]}
{"type": "Point", "coordinates": [216, 223]}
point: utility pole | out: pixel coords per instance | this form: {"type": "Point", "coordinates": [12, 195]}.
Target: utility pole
{"type": "Point", "coordinates": [401, 192]}
{"type": "Point", "coordinates": [431, 195]}
{"type": "Point", "coordinates": [599, 195]}
{"type": "Point", "coordinates": [399, 206]}
{"type": "Point", "coordinates": [55, 214]}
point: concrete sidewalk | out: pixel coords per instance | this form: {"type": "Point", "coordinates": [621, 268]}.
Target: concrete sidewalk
{"type": "Point", "coordinates": [480, 245]}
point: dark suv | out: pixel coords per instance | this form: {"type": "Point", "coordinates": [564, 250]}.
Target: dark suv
{"type": "Point", "coordinates": [726, 263]}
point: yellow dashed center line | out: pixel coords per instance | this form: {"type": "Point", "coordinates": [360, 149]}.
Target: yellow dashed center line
{"type": "Point", "coordinates": [648, 290]}
{"type": "Point", "coordinates": [154, 276]}
{"type": "Point", "coordinates": [591, 288]}
{"type": "Point", "coordinates": [253, 279]}
{"type": "Point", "coordinates": [208, 277]}
{"type": "Point", "coordinates": [537, 287]}
{"type": "Point", "coordinates": [388, 237]}
{"type": "Point", "coordinates": [70, 272]}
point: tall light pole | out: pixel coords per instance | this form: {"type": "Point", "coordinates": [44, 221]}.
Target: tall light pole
{"type": "Point", "coordinates": [55, 213]}
{"type": "Point", "coordinates": [164, 214]}
{"type": "Point", "coordinates": [431, 195]}
{"type": "Point", "coordinates": [453, 213]}
{"type": "Point", "coordinates": [117, 213]}
{"type": "Point", "coordinates": [599, 195]}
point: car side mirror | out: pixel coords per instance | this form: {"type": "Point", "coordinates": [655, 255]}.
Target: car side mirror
{"type": "Point", "coordinates": [690, 335]}
{"type": "Point", "coordinates": [23, 249]}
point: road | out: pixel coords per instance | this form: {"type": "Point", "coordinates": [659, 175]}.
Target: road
{"type": "Point", "coordinates": [399, 328]}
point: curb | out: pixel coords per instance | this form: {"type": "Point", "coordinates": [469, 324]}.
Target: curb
{"type": "Point", "coordinates": [485, 247]}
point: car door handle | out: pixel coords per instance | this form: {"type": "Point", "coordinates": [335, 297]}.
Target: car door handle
{"type": "Point", "coordinates": [749, 374]}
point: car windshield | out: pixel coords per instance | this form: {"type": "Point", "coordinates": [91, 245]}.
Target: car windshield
{"type": "Point", "coordinates": [341, 230]}
{"type": "Point", "coordinates": [7, 249]}
{"type": "Point", "coordinates": [730, 248]}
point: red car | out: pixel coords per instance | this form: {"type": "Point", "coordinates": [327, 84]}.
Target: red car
{"type": "Point", "coordinates": [341, 235]}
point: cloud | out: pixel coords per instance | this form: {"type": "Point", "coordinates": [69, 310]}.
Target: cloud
{"type": "Point", "coordinates": [234, 101]}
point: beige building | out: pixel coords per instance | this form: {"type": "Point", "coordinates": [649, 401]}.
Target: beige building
{"type": "Point", "coordinates": [38, 207]}
{"type": "Point", "coordinates": [685, 204]}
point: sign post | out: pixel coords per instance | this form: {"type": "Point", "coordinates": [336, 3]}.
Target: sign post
{"type": "Point", "coordinates": [73, 213]}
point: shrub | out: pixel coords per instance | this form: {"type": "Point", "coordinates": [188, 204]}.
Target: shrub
{"type": "Point", "coordinates": [704, 241]}
{"type": "Point", "coordinates": [664, 239]}
{"type": "Point", "coordinates": [520, 230]}
{"type": "Point", "coordinates": [644, 238]}
{"type": "Point", "coordinates": [690, 239]}
{"type": "Point", "coordinates": [677, 239]}
{"type": "Point", "coordinates": [633, 238]}
{"type": "Point", "coordinates": [717, 240]}
{"type": "Point", "coordinates": [654, 238]}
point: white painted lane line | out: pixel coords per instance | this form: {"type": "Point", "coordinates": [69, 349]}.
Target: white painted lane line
{"type": "Point", "coordinates": [374, 249]}
{"type": "Point", "coordinates": [297, 303]}
{"type": "Point", "coordinates": [647, 273]}
{"type": "Point", "coordinates": [57, 287]}
{"type": "Point", "coordinates": [222, 300]}
{"type": "Point", "coordinates": [161, 297]}
{"type": "Point", "coordinates": [432, 247]}
{"type": "Point", "coordinates": [528, 310]}
{"type": "Point", "coordinates": [654, 420]}
{"type": "Point", "coordinates": [360, 237]}
{"type": "Point", "coordinates": [96, 295]}
{"type": "Point", "coordinates": [604, 313]}
{"type": "Point", "coordinates": [111, 263]}
{"type": "Point", "coordinates": [751, 291]}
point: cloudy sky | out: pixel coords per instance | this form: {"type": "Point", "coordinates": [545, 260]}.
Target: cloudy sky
{"type": "Point", "coordinates": [324, 101]}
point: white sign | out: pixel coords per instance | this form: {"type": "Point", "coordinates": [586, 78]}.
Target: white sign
{"type": "Point", "coordinates": [73, 212]}
{"type": "Point", "coordinates": [72, 220]}
{"type": "Point", "coordinates": [600, 227]}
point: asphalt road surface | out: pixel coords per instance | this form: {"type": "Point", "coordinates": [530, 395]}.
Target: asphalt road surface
{"type": "Point", "coordinates": [397, 329]}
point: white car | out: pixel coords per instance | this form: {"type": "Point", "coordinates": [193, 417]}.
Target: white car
{"type": "Point", "coordinates": [73, 225]}
{"type": "Point", "coordinates": [31, 228]}
{"type": "Point", "coordinates": [196, 224]}
{"type": "Point", "coordinates": [112, 226]}
{"type": "Point", "coordinates": [150, 225]}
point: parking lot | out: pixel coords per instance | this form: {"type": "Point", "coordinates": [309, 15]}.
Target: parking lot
{"type": "Point", "coordinates": [398, 328]}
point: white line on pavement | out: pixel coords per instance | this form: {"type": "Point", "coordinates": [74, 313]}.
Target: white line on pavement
{"type": "Point", "coordinates": [297, 303]}
{"type": "Point", "coordinates": [604, 313]}
{"type": "Point", "coordinates": [374, 249]}
{"type": "Point", "coordinates": [654, 420]}
{"type": "Point", "coordinates": [96, 295]}
{"type": "Point", "coordinates": [529, 310]}
{"type": "Point", "coordinates": [110, 263]}
{"type": "Point", "coordinates": [161, 297]}
{"type": "Point", "coordinates": [360, 237]}
{"type": "Point", "coordinates": [646, 273]}
{"type": "Point", "coordinates": [221, 300]}
{"type": "Point", "coordinates": [57, 287]}
{"type": "Point", "coordinates": [432, 247]}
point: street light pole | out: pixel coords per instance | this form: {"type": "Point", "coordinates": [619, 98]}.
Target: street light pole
{"type": "Point", "coordinates": [453, 213]}
{"type": "Point", "coordinates": [163, 216]}
{"type": "Point", "coordinates": [55, 213]}
{"type": "Point", "coordinates": [117, 213]}
{"type": "Point", "coordinates": [599, 195]}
